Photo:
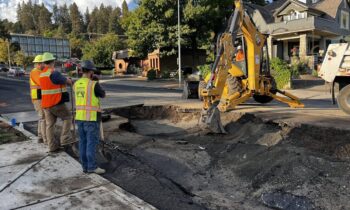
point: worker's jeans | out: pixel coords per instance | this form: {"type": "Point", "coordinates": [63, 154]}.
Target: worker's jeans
{"type": "Point", "coordinates": [89, 133]}
{"type": "Point", "coordinates": [41, 122]}
{"type": "Point", "coordinates": [51, 114]}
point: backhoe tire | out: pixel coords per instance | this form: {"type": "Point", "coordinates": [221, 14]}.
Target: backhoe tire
{"type": "Point", "coordinates": [264, 99]}
{"type": "Point", "coordinates": [343, 99]}
{"type": "Point", "coordinates": [234, 84]}
{"type": "Point", "coordinates": [201, 86]}
{"type": "Point", "coordinates": [190, 89]}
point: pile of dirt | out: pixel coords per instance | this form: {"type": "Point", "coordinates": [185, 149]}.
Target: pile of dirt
{"type": "Point", "coordinates": [9, 134]}
{"type": "Point", "coordinates": [162, 156]}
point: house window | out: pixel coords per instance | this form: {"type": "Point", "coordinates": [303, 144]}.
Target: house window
{"type": "Point", "coordinates": [294, 15]}
{"type": "Point", "coordinates": [344, 20]}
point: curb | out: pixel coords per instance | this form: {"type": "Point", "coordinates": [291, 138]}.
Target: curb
{"type": "Point", "coordinates": [28, 134]}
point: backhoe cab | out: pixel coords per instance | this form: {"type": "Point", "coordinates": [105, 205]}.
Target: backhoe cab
{"type": "Point", "coordinates": [235, 79]}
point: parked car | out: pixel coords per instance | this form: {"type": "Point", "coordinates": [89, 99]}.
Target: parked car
{"type": "Point", "coordinates": [16, 71]}
{"type": "Point", "coordinates": [4, 68]}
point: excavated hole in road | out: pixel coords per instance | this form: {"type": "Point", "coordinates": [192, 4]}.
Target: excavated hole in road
{"type": "Point", "coordinates": [161, 155]}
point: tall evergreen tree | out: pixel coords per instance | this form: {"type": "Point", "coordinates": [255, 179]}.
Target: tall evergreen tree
{"type": "Point", "coordinates": [103, 19]}
{"type": "Point", "coordinates": [125, 9]}
{"type": "Point", "coordinates": [86, 19]}
{"type": "Point", "coordinates": [76, 19]}
{"type": "Point", "coordinates": [92, 27]}
{"type": "Point", "coordinates": [114, 22]}
{"type": "Point", "coordinates": [64, 18]}
{"type": "Point", "coordinates": [44, 19]}
{"type": "Point", "coordinates": [55, 14]}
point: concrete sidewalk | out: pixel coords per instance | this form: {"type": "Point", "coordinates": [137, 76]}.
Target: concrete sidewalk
{"type": "Point", "coordinates": [30, 178]}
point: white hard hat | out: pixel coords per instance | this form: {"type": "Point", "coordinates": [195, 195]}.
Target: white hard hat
{"type": "Point", "coordinates": [239, 47]}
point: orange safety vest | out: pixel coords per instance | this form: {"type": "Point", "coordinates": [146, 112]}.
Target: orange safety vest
{"type": "Point", "coordinates": [51, 94]}
{"type": "Point", "coordinates": [35, 90]}
{"type": "Point", "coordinates": [240, 56]}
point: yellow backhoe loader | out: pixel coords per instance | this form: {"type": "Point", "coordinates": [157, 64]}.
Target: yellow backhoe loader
{"type": "Point", "coordinates": [231, 82]}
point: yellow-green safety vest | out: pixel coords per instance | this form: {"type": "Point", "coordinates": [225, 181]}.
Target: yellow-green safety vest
{"type": "Point", "coordinates": [86, 103]}
{"type": "Point", "coordinates": [34, 88]}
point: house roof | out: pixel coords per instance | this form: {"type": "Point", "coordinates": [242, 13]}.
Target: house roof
{"type": "Point", "coordinates": [330, 7]}
{"type": "Point", "coordinates": [299, 4]}
{"type": "Point", "coordinates": [265, 13]}
{"type": "Point", "coordinates": [272, 7]}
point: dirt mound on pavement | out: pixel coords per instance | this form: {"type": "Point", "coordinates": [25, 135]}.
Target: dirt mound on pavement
{"type": "Point", "coordinates": [9, 134]}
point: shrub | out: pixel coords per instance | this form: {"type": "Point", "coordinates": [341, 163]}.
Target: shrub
{"type": "Point", "coordinates": [165, 74]}
{"type": "Point", "coordinates": [107, 72]}
{"type": "Point", "coordinates": [299, 67]}
{"type": "Point", "coordinates": [204, 70]}
{"type": "Point", "coordinates": [152, 74]}
{"type": "Point", "coordinates": [281, 72]}
{"type": "Point", "coordinates": [133, 69]}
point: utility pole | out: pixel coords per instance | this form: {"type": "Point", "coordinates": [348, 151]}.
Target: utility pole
{"type": "Point", "coordinates": [8, 52]}
{"type": "Point", "coordinates": [179, 41]}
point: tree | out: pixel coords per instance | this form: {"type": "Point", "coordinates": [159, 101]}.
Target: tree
{"type": "Point", "coordinates": [92, 27]}
{"type": "Point", "coordinates": [55, 14]}
{"type": "Point", "coordinates": [44, 19]}
{"type": "Point", "coordinates": [86, 19]}
{"type": "Point", "coordinates": [3, 31]}
{"type": "Point", "coordinates": [76, 46]}
{"type": "Point", "coordinates": [103, 19]}
{"type": "Point", "coordinates": [25, 14]}
{"type": "Point", "coordinates": [20, 59]}
{"type": "Point", "coordinates": [152, 25]}
{"type": "Point", "coordinates": [101, 50]}
{"type": "Point", "coordinates": [4, 51]}
{"type": "Point", "coordinates": [125, 9]}
{"type": "Point", "coordinates": [114, 25]}
{"type": "Point", "coordinates": [64, 19]}
{"type": "Point", "coordinates": [76, 19]}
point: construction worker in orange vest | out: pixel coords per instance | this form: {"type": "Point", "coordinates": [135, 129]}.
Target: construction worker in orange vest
{"type": "Point", "coordinates": [240, 54]}
{"type": "Point", "coordinates": [35, 94]}
{"type": "Point", "coordinates": [53, 97]}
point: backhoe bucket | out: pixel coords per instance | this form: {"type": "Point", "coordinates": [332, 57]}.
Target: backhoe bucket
{"type": "Point", "coordinates": [210, 119]}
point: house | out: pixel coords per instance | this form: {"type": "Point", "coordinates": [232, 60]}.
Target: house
{"type": "Point", "coordinates": [124, 61]}
{"type": "Point", "coordinates": [158, 60]}
{"type": "Point", "coordinates": [162, 62]}
{"type": "Point", "coordinates": [302, 27]}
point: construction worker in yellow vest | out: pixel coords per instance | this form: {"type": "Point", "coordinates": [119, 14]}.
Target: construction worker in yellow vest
{"type": "Point", "coordinates": [35, 93]}
{"type": "Point", "coordinates": [87, 92]}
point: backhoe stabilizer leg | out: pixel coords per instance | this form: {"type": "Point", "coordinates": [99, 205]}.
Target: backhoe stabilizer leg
{"type": "Point", "coordinates": [211, 120]}
{"type": "Point", "coordinates": [290, 99]}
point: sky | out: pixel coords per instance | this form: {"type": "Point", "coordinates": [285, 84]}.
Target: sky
{"type": "Point", "coordinates": [8, 7]}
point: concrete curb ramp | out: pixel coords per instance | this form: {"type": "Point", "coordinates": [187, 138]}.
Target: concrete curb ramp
{"type": "Point", "coordinates": [32, 179]}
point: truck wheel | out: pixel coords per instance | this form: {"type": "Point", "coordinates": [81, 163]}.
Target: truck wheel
{"type": "Point", "coordinates": [201, 86]}
{"type": "Point", "coordinates": [343, 99]}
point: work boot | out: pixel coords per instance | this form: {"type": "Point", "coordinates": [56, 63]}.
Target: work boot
{"type": "Point", "coordinates": [98, 171]}
{"type": "Point", "coordinates": [40, 140]}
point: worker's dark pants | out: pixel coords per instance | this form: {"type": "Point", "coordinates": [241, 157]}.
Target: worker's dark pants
{"type": "Point", "coordinates": [89, 133]}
